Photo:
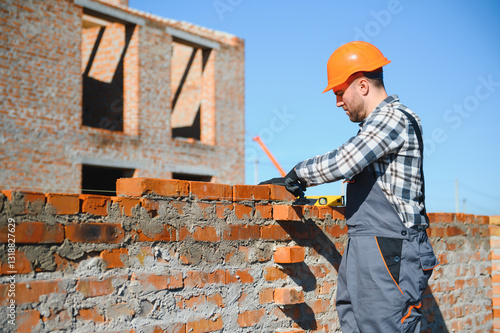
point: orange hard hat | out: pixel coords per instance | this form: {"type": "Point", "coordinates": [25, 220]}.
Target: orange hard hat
{"type": "Point", "coordinates": [351, 58]}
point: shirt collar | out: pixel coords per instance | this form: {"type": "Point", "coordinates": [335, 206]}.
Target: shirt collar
{"type": "Point", "coordinates": [388, 100]}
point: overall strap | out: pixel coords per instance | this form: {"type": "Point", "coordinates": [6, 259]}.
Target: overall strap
{"type": "Point", "coordinates": [418, 133]}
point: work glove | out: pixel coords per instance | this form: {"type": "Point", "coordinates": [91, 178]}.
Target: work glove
{"type": "Point", "coordinates": [291, 182]}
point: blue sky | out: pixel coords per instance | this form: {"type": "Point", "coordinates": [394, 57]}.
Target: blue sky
{"type": "Point", "coordinates": [445, 66]}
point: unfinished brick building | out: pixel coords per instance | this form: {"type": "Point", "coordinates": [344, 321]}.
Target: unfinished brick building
{"type": "Point", "coordinates": [92, 91]}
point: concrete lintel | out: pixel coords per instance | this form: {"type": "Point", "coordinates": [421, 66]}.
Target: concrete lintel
{"type": "Point", "coordinates": [110, 163]}
{"type": "Point", "coordinates": [190, 170]}
{"type": "Point", "coordinates": [118, 14]}
{"type": "Point", "coordinates": [192, 39]}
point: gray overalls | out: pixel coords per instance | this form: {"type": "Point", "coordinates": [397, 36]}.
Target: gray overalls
{"type": "Point", "coordinates": [385, 267]}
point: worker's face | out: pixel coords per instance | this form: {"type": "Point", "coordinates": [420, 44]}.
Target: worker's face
{"type": "Point", "coordinates": [349, 98]}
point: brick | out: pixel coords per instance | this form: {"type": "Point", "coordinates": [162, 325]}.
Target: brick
{"type": "Point", "coordinates": [336, 213]}
{"type": "Point", "coordinates": [137, 187]}
{"type": "Point", "coordinates": [201, 279]}
{"type": "Point", "coordinates": [158, 233]}
{"type": "Point", "coordinates": [324, 288]}
{"type": "Point", "coordinates": [287, 213]}
{"type": "Point", "coordinates": [205, 325]}
{"type": "Point", "coordinates": [289, 254]}
{"type": "Point", "coordinates": [274, 232]}
{"type": "Point", "coordinates": [453, 231]}
{"type": "Point", "coordinates": [216, 299]}
{"type": "Point", "coordinates": [264, 211]}
{"type": "Point", "coordinates": [336, 230]}
{"type": "Point", "coordinates": [30, 292]}
{"type": "Point", "coordinates": [28, 321]}
{"type": "Point", "coordinates": [94, 233]}
{"type": "Point", "coordinates": [320, 270]}
{"type": "Point", "coordinates": [206, 209]}
{"type": "Point", "coordinates": [266, 296]}
{"type": "Point", "coordinates": [482, 220]}
{"type": "Point", "coordinates": [179, 206]}
{"type": "Point", "coordinates": [21, 265]}
{"type": "Point", "coordinates": [34, 233]}
{"type": "Point", "coordinates": [63, 263]}
{"type": "Point", "coordinates": [90, 314]}
{"type": "Point", "coordinates": [324, 211]}
{"type": "Point", "coordinates": [194, 301]}
{"type": "Point", "coordinates": [152, 281]}
{"type": "Point", "coordinates": [250, 192]}
{"type": "Point", "coordinates": [202, 234]}
{"type": "Point", "coordinates": [211, 191]}
{"type": "Point", "coordinates": [64, 204]}
{"type": "Point", "coordinates": [242, 211]}
{"type": "Point", "coordinates": [243, 298]}
{"type": "Point", "coordinates": [29, 198]}
{"type": "Point", "coordinates": [206, 234]}
{"type": "Point", "coordinates": [441, 217]}
{"type": "Point", "coordinates": [95, 204]}
{"type": "Point", "coordinates": [465, 218]}
{"type": "Point", "coordinates": [287, 296]}
{"type": "Point", "coordinates": [145, 254]}
{"type": "Point", "coordinates": [250, 318]}
{"type": "Point", "coordinates": [220, 210]}
{"type": "Point", "coordinates": [170, 328]}
{"type": "Point", "coordinates": [320, 306]}
{"type": "Point", "coordinates": [436, 231]}
{"type": "Point", "coordinates": [114, 258]}
{"type": "Point", "coordinates": [119, 311]}
{"type": "Point", "coordinates": [274, 273]}
{"type": "Point", "coordinates": [240, 276]}
{"type": "Point", "coordinates": [242, 232]}
{"type": "Point", "coordinates": [151, 206]}
{"type": "Point", "coordinates": [279, 193]}
{"type": "Point", "coordinates": [495, 220]}
{"type": "Point", "coordinates": [310, 212]}
{"type": "Point", "coordinates": [126, 204]}
{"type": "Point", "coordinates": [92, 287]}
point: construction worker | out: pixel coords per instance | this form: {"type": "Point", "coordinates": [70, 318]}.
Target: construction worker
{"type": "Point", "coordinates": [388, 259]}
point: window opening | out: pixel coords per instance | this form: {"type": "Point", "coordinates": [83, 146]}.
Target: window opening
{"type": "Point", "coordinates": [102, 180]}
{"type": "Point", "coordinates": [104, 46]}
{"type": "Point", "coordinates": [186, 176]}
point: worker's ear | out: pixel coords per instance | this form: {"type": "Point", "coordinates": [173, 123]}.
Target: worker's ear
{"type": "Point", "coordinates": [363, 86]}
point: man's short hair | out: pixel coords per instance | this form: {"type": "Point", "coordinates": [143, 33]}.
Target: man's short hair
{"type": "Point", "coordinates": [376, 77]}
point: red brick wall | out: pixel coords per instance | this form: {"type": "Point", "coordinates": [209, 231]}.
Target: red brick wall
{"type": "Point", "coordinates": [201, 257]}
{"type": "Point", "coordinates": [460, 291]}
{"type": "Point", "coordinates": [495, 267]}
{"type": "Point", "coordinates": [40, 94]}
{"type": "Point", "coordinates": [43, 141]}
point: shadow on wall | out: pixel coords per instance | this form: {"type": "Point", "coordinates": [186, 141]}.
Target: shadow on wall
{"type": "Point", "coordinates": [302, 233]}
{"type": "Point", "coordinates": [432, 318]}
{"type": "Point", "coordinates": [300, 273]}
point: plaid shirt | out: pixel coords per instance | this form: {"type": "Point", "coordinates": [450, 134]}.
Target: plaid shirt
{"type": "Point", "coordinates": [387, 144]}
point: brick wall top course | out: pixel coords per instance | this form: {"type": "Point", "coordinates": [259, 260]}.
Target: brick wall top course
{"type": "Point", "coordinates": [143, 192]}
{"type": "Point", "coordinates": [269, 202]}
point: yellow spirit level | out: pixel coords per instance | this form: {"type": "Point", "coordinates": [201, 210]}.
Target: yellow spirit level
{"type": "Point", "coordinates": [325, 200]}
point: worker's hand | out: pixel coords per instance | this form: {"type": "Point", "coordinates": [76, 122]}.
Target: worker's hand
{"type": "Point", "coordinates": [280, 181]}
{"type": "Point", "coordinates": [291, 182]}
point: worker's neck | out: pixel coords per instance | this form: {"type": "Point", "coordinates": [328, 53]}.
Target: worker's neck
{"type": "Point", "coordinates": [378, 96]}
